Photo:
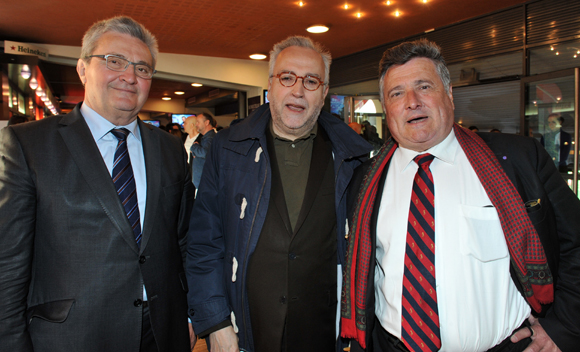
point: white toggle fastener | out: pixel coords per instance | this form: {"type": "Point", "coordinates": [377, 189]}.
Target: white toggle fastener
{"type": "Point", "coordinates": [233, 318]}
{"type": "Point", "coordinates": [258, 152]}
{"type": "Point", "coordinates": [234, 269]}
{"type": "Point", "coordinates": [346, 229]}
{"type": "Point", "coordinates": [244, 205]}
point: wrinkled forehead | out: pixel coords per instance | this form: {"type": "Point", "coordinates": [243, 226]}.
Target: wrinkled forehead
{"type": "Point", "coordinates": [301, 61]}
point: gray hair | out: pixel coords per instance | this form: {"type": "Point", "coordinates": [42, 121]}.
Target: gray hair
{"type": "Point", "coordinates": [303, 42]}
{"type": "Point", "coordinates": [405, 52]}
{"type": "Point", "coordinates": [119, 24]}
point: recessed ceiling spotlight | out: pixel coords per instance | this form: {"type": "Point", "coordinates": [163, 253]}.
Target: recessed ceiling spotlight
{"type": "Point", "coordinates": [318, 28]}
{"type": "Point", "coordinates": [557, 53]}
{"type": "Point", "coordinates": [397, 13]}
{"type": "Point", "coordinates": [197, 84]}
{"type": "Point", "coordinates": [388, 3]}
{"type": "Point", "coordinates": [301, 3]}
{"type": "Point", "coordinates": [166, 98]}
{"type": "Point", "coordinates": [257, 56]}
{"type": "Point", "coordinates": [179, 92]}
{"type": "Point", "coordinates": [424, 1]}
{"type": "Point", "coordinates": [358, 15]}
{"type": "Point", "coordinates": [345, 6]}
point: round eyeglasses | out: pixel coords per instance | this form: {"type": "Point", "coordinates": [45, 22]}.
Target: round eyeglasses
{"type": "Point", "coordinates": [288, 79]}
{"type": "Point", "coordinates": [119, 64]}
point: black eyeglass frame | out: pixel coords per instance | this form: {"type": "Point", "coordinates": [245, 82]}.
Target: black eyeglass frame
{"type": "Point", "coordinates": [320, 82]}
{"type": "Point", "coordinates": [135, 64]}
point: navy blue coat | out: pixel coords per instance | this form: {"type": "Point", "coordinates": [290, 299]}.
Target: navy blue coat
{"type": "Point", "coordinates": [230, 210]}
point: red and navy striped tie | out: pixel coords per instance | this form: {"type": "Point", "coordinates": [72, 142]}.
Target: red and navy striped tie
{"type": "Point", "coordinates": [420, 320]}
{"type": "Point", "coordinates": [124, 181]}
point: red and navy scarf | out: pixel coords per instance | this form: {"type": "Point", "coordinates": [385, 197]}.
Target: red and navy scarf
{"type": "Point", "coordinates": [526, 251]}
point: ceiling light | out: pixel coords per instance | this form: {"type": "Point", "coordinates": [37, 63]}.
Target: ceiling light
{"type": "Point", "coordinates": [166, 98]}
{"type": "Point", "coordinates": [301, 3]}
{"type": "Point", "coordinates": [552, 48]}
{"type": "Point", "coordinates": [39, 92]}
{"type": "Point", "coordinates": [575, 56]}
{"type": "Point", "coordinates": [257, 56]}
{"type": "Point", "coordinates": [358, 15]}
{"type": "Point", "coordinates": [25, 72]}
{"type": "Point", "coordinates": [397, 13]}
{"type": "Point", "coordinates": [197, 84]}
{"type": "Point", "coordinates": [424, 1]}
{"type": "Point", "coordinates": [345, 6]}
{"type": "Point", "coordinates": [318, 28]}
{"type": "Point", "coordinates": [557, 53]}
{"type": "Point", "coordinates": [33, 83]}
{"type": "Point", "coordinates": [179, 92]}
{"type": "Point", "coordinates": [388, 3]}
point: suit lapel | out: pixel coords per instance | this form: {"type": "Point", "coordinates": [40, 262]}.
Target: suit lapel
{"type": "Point", "coordinates": [277, 190]}
{"type": "Point", "coordinates": [152, 153]}
{"type": "Point", "coordinates": [86, 155]}
{"type": "Point", "coordinates": [321, 154]}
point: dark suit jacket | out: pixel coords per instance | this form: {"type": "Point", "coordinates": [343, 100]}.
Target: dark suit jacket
{"type": "Point", "coordinates": [556, 219]}
{"type": "Point", "coordinates": [72, 275]}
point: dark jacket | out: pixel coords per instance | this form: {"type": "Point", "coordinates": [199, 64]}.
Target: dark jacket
{"type": "Point", "coordinates": [72, 276]}
{"type": "Point", "coordinates": [230, 211]}
{"type": "Point", "coordinates": [199, 151]}
{"type": "Point", "coordinates": [556, 219]}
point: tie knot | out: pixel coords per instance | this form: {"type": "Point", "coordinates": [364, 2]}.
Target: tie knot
{"type": "Point", "coordinates": [120, 133]}
{"type": "Point", "coordinates": [424, 160]}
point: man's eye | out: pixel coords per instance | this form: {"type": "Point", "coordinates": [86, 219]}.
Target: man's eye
{"type": "Point", "coordinates": [311, 81]}
{"type": "Point", "coordinates": [394, 95]}
{"type": "Point", "coordinates": [287, 78]}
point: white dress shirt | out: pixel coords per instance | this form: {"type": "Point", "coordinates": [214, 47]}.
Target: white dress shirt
{"type": "Point", "coordinates": [479, 305]}
{"type": "Point", "coordinates": [107, 143]}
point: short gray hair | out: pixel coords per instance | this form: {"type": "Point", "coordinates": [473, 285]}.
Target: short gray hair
{"type": "Point", "coordinates": [119, 24]}
{"type": "Point", "coordinates": [405, 52]}
{"type": "Point", "coordinates": [303, 42]}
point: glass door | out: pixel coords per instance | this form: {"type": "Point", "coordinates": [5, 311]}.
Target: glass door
{"type": "Point", "coordinates": [551, 116]}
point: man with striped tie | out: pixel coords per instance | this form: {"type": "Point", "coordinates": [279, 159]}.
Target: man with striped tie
{"type": "Point", "coordinates": [458, 241]}
{"type": "Point", "coordinates": [94, 209]}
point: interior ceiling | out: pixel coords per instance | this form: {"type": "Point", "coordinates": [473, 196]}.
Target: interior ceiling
{"type": "Point", "coordinates": [233, 29]}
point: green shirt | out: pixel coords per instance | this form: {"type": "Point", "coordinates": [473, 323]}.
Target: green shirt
{"type": "Point", "coordinates": [294, 164]}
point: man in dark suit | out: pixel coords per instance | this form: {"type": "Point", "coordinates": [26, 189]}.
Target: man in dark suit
{"type": "Point", "coordinates": [459, 241]}
{"type": "Point", "coordinates": [557, 142]}
{"type": "Point", "coordinates": [93, 214]}
{"type": "Point", "coordinates": [204, 124]}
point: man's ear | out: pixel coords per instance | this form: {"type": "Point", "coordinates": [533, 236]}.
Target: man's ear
{"type": "Point", "coordinates": [81, 70]}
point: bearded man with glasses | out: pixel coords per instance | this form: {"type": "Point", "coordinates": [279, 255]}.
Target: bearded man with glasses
{"type": "Point", "coordinates": [94, 210]}
{"type": "Point", "coordinates": [267, 234]}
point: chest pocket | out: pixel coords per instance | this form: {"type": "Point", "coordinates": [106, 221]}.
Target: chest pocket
{"type": "Point", "coordinates": [484, 238]}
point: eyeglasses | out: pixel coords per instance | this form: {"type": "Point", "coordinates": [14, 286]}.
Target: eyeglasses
{"type": "Point", "coordinates": [288, 79]}
{"type": "Point", "coordinates": [116, 63]}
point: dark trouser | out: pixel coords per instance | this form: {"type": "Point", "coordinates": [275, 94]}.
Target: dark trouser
{"type": "Point", "coordinates": [147, 339]}
{"type": "Point", "coordinates": [385, 342]}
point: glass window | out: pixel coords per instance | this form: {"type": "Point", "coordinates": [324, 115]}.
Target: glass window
{"type": "Point", "coordinates": [475, 71]}
{"type": "Point", "coordinates": [554, 57]}
{"type": "Point", "coordinates": [489, 106]}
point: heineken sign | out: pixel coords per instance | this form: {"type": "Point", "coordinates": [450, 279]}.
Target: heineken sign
{"type": "Point", "coordinates": [16, 48]}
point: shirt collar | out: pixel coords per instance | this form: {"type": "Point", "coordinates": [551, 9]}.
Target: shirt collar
{"type": "Point", "coordinates": [444, 151]}
{"type": "Point", "coordinates": [100, 126]}
{"type": "Point", "coordinates": [307, 135]}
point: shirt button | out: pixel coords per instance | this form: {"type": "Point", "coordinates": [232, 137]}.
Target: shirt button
{"type": "Point", "coordinates": [283, 300]}
{"type": "Point", "coordinates": [142, 259]}
{"type": "Point", "coordinates": [138, 303]}
{"type": "Point", "coordinates": [191, 312]}
{"type": "Point", "coordinates": [293, 146]}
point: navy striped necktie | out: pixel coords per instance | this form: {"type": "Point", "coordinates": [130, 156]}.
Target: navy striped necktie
{"type": "Point", "coordinates": [420, 320]}
{"type": "Point", "coordinates": [124, 181]}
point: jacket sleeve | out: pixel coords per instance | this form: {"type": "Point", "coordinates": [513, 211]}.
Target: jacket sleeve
{"type": "Point", "coordinates": [185, 208]}
{"type": "Point", "coordinates": [200, 150]}
{"type": "Point", "coordinates": [207, 297]}
{"type": "Point", "coordinates": [17, 228]}
{"type": "Point", "coordinates": [562, 319]}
